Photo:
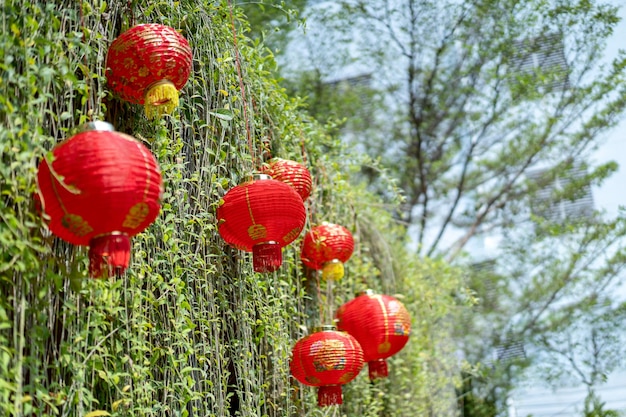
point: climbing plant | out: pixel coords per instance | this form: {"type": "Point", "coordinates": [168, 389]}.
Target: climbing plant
{"type": "Point", "coordinates": [189, 329]}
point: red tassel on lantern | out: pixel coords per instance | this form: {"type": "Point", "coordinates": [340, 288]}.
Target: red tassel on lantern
{"type": "Point", "coordinates": [99, 189]}
{"type": "Point", "coordinates": [327, 247]}
{"type": "Point", "coordinates": [261, 216]}
{"type": "Point", "coordinates": [292, 173]}
{"type": "Point", "coordinates": [112, 249]}
{"type": "Point", "coordinates": [326, 359]}
{"type": "Point", "coordinates": [380, 323]}
{"type": "Point", "coordinates": [148, 64]}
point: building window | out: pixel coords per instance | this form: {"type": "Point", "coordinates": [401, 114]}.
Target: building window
{"type": "Point", "coordinates": [542, 56]}
{"type": "Point", "coordinates": [561, 197]}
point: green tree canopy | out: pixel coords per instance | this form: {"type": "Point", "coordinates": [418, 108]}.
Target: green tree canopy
{"type": "Point", "coordinates": [489, 115]}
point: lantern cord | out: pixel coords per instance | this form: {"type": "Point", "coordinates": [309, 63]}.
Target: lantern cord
{"type": "Point", "coordinates": [241, 86]}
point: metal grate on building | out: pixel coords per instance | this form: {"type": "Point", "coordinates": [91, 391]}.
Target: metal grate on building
{"type": "Point", "coordinates": [510, 350]}
{"type": "Point", "coordinates": [545, 52]}
{"type": "Point", "coordinates": [547, 206]}
{"type": "Point", "coordinates": [363, 80]}
{"type": "Point", "coordinates": [488, 291]}
{"type": "Point", "coordinates": [361, 84]}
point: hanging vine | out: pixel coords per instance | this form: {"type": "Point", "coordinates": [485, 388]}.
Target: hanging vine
{"type": "Point", "coordinates": [189, 329]}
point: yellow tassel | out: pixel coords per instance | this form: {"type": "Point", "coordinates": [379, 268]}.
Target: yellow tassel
{"type": "Point", "coordinates": [333, 270]}
{"type": "Point", "coordinates": [161, 98]}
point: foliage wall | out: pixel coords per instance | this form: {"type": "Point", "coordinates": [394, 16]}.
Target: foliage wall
{"type": "Point", "coordinates": [190, 329]}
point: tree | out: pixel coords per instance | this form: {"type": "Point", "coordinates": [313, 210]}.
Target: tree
{"type": "Point", "coordinates": [588, 354]}
{"type": "Point", "coordinates": [466, 118]}
{"type": "Point", "coordinates": [478, 97]}
{"type": "Point", "coordinates": [594, 407]}
{"type": "Point", "coordinates": [542, 295]}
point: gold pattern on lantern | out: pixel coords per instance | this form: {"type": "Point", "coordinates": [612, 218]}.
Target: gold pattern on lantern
{"type": "Point", "coordinates": [402, 324]}
{"type": "Point", "coordinates": [76, 224]}
{"type": "Point", "coordinates": [401, 329]}
{"type": "Point", "coordinates": [328, 355]}
{"type": "Point", "coordinates": [257, 231]}
{"type": "Point", "coordinates": [347, 377]}
{"type": "Point", "coordinates": [129, 63]}
{"type": "Point", "coordinates": [147, 36]}
{"type": "Point", "coordinates": [121, 46]}
{"type": "Point", "coordinates": [312, 379]}
{"type": "Point", "coordinates": [385, 346]}
{"type": "Point", "coordinates": [136, 215]}
{"type": "Point", "coordinates": [289, 237]}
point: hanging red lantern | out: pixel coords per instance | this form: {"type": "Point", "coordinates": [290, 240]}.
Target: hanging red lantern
{"type": "Point", "coordinates": [148, 64]}
{"type": "Point", "coordinates": [100, 188]}
{"type": "Point", "coordinates": [261, 216]}
{"type": "Point", "coordinates": [292, 173]}
{"type": "Point", "coordinates": [380, 323]}
{"type": "Point", "coordinates": [327, 247]}
{"type": "Point", "coordinates": [326, 359]}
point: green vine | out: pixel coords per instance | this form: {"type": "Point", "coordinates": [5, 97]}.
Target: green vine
{"type": "Point", "coordinates": [190, 329]}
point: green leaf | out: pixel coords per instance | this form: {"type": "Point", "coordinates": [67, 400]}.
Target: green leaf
{"type": "Point", "coordinates": [97, 413]}
{"type": "Point", "coordinates": [223, 114]}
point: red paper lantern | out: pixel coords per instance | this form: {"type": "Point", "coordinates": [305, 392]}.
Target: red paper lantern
{"type": "Point", "coordinates": [380, 323]}
{"type": "Point", "coordinates": [261, 216]}
{"type": "Point", "coordinates": [327, 247]}
{"type": "Point", "coordinates": [148, 64]}
{"type": "Point", "coordinates": [292, 173]}
{"type": "Point", "coordinates": [326, 359]}
{"type": "Point", "coordinates": [100, 188]}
